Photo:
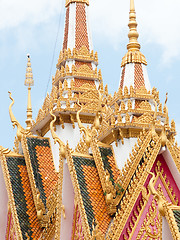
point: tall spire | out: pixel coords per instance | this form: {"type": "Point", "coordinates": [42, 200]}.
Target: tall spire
{"type": "Point", "coordinates": [29, 82]}
{"type": "Point", "coordinates": [77, 61]}
{"type": "Point", "coordinates": [134, 72]}
{"type": "Point", "coordinates": [133, 55]}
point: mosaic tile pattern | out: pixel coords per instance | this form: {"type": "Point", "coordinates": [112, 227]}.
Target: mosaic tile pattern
{"type": "Point", "coordinates": [138, 76]}
{"type": "Point", "coordinates": [23, 198]}
{"type": "Point", "coordinates": [122, 77]}
{"type": "Point", "coordinates": [81, 27]}
{"type": "Point", "coordinates": [80, 82]}
{"type": "Point", "coordinates": [109, 163]}
{"type": "Point", "coordinates": [91, 192]}
{"type": "Point", "coordinates": [79, 64]}
{"type": "Point", "coordinates": [177, 217]}
{"type": "Point", "coordinates": [43, 166]}
{"type": "Point", "coordinates": [66, 29]}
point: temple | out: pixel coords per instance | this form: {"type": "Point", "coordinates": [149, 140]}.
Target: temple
{"type": "Point", "coordinates": [92, 166]}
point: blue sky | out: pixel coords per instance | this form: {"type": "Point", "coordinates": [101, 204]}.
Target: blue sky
{"type": "Point", "coordinates": [33, 29]}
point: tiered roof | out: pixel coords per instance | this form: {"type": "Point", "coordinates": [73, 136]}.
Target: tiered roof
{"type": "Point", "coordinates": [109, 203]}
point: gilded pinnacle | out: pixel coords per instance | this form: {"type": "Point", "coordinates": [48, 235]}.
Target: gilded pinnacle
{"type": "Point", "coordinates": [133, 55]}
{"type": "Point", "coordinates": [29, 82]}
{"type": "Point", "coordinates": [133, 34]}
{"type": "Point", "coordinates": [29, 76]}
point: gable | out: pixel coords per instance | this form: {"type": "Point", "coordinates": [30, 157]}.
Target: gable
{"type": "Point", "coordinates": [144, 220]}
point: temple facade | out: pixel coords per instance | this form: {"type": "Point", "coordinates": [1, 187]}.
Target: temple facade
{"type": "Point", "coordinates": [92, 166]}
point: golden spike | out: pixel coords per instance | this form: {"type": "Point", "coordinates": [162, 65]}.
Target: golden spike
{"type": "Point", "coordinates": [62, 146]}
{"type": "Point", "coordinates": [133, 34]}
{"type": "Point", "coordinates": [133, 55]}
{"type": "Point", "coordinates": [29, 82]}
{"type": "Point", "coordinates": [166, 121]}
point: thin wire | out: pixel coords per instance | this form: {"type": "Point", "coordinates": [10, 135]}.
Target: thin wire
{"type": "Point", "coordinates": [52, 62]}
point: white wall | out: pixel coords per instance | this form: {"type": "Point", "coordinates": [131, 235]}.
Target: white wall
{"type": "Point", "coordinates": [4, 206]}
{"type": "Point", "coordinates": [67, 134]}
{"type": "Point", "coordinates": [122, 151]}
{"type": "Point", "coordinates": [68, 202]}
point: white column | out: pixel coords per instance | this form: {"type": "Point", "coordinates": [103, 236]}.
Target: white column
{"type": "Point", "coordinates": [72, 26]}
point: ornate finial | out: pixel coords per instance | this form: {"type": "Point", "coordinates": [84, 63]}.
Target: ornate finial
{"type": "Point", "coordinates": [29, 82]}
{"type": "Point", "coordinates": [133, 55]}
{"type": "Point", "coordinates": [29, 76]}
{"type": "Point", "coordinates": [133, 34]}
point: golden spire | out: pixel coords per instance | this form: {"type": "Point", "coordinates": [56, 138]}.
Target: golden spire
{"type": "Point", "coordinates": [133, 55]}
{"type": "Point", "coordinates": [133, 34]}
{"type": "Point", "coordinates": [29, 82]}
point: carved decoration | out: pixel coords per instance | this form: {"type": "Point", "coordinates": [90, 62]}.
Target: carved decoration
{"type": "Point", "coordinates": [4, 150]}
{"type": "Point", "coordinates": [145, 105]}
{"type": "Point", "coordinates": [96, 233]}
{"type": "Point", "coordinates": [62, 148]}
{"type": "Point", "coordinates": [81, 54]}
{"type": "Point", "coordinates": [133, 57]}
{"type": "Point", "coordinates": [16, 145]}
{"type": "Point", "coordinates": [144, 119]}
{"type": "Point", "coordinates": [152, 224]}
{"type": "Point", "coordinates": [20, 130]}
{"type": "Point", "coordinates": [112, 194]}
{"type": "Point", "coordinates": [142, 91]}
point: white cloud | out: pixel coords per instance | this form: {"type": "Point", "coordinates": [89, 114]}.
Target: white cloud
{"type": "Point", "coordinates": [158, 22]}
{"type": "Point", "coordinates": [13, 13]}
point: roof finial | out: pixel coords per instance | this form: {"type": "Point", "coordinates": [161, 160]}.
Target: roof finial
{"type": "Point", "coordinates": [133, 55]}
{"type": "Point", "coordinates": [29, 82]}
{"type": "Point", "coordinates": [133, 34]}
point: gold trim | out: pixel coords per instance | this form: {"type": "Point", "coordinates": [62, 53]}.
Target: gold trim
{"type": "Point", "coordinates": [146, 231]}
{"type": "Point", "coordinates": [85, 225]}
{"type": "Point", "coordinates": [133, 57]}
{"type": "Point", "coordinates": [10, 196]}
{"type": "Point", "coordinates": [76, 1]}
{"type": "Point", "coordinates": [82, 155]}
{"type": "Point", "coordinates": [132, 194]}
{"type": "Point", "coordinates": [82, 54]}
